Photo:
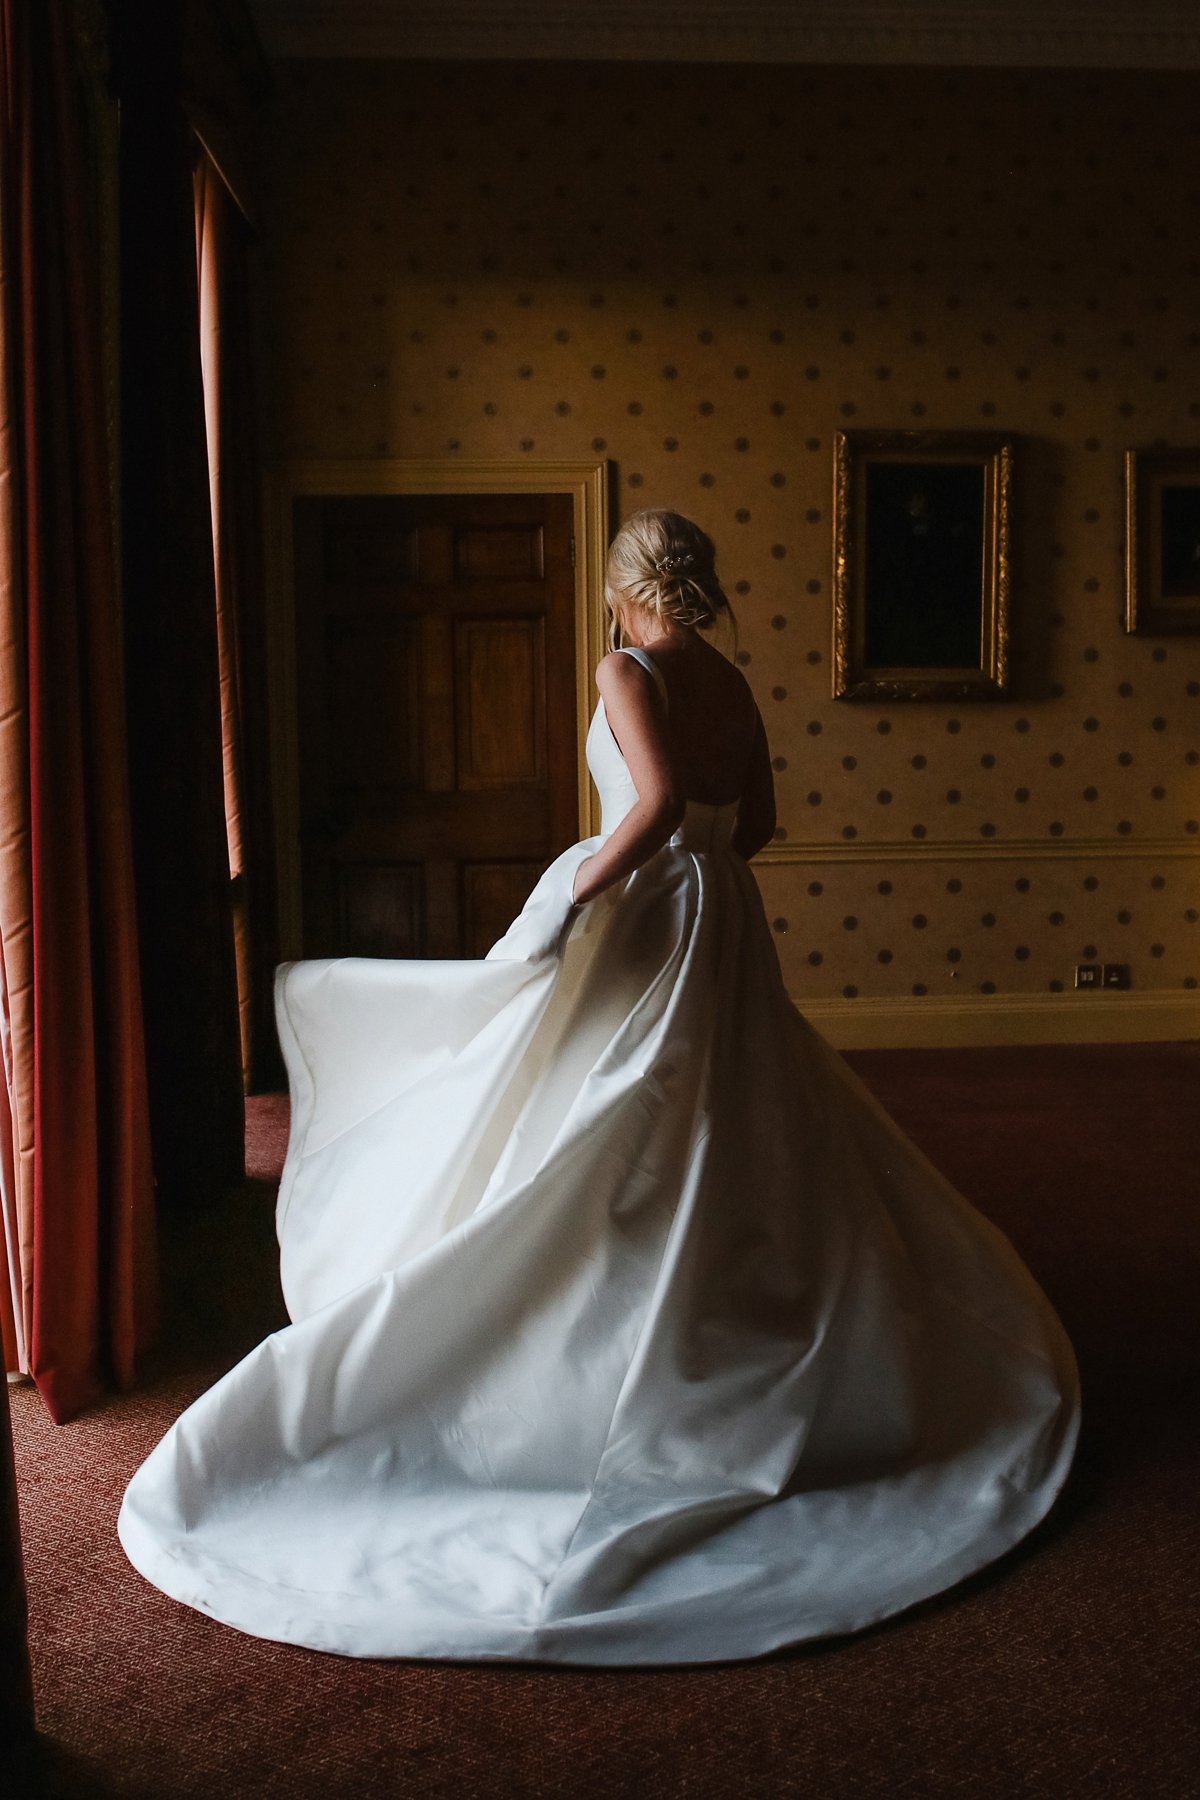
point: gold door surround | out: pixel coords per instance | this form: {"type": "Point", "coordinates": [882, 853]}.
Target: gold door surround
{"type": "Point", "coordinates": [586, 482]}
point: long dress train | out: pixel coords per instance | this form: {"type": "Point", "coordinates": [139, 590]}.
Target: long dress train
{"type": "Point", "coordinates": [628, 1328]}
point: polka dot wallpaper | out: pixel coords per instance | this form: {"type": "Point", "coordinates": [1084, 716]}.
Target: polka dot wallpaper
{"type": "Point", "coordinates": [703, 273]}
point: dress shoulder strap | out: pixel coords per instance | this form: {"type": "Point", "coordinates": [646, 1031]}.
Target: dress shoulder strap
{"type": "Point", "coordinates": [648, 663]}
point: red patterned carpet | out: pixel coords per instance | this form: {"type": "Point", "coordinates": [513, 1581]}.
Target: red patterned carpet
{"type": "Point", "coordinates": [1066, 1672]}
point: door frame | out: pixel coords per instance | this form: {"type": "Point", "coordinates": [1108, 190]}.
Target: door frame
{"type": "Point", "coordinates": [586, 482]}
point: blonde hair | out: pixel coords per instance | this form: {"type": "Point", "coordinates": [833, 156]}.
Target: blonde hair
{"type": "Point", "coordinates": [663, 562]}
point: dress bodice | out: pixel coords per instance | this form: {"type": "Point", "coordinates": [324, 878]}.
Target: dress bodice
{"type": "Point", "coordinates": [704, 829]}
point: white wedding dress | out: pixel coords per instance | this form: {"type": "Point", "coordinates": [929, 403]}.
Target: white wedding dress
{"type": "Point", "coordinates": [628, 1328]}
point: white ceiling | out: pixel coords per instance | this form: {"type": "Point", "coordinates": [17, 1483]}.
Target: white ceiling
{"type": "Point", "coordinates": [1057, 34]}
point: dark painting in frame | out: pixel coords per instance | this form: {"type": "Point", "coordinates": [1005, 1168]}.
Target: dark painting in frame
{"type": "Point", "coordinates": [1162, 542]}
{"type": "Point", "coordinates": [921, 565]}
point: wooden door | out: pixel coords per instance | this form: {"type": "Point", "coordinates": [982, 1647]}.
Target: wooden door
{"type": "Point", "coordinates": [436, 677]}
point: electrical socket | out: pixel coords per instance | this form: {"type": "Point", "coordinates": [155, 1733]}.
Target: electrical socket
{"type": "Point", "coordinates": [1116, 975]}
{"type": "Point", "coordinates": [1088, 975]}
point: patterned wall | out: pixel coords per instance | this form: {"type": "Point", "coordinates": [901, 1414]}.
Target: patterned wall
{"type": "Point", "coordinates": [702, 274]}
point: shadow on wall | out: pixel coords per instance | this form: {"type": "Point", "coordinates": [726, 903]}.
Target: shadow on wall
{"type": "Point", "coordinates": [221, 1266]}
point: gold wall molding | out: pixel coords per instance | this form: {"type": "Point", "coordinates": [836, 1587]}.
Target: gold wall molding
{"type": "Point", "coordinates": [972, 850]}
{"type": "Point", "coordinates": [904, 1023]}
{"type": "Point", "coordinates": [586, 482]}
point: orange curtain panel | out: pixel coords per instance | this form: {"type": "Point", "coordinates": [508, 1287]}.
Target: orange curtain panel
{"type": "Point", "coordinates": [172, 663]}
{"type": "Point", "coordinates": [211, 231]}
{"type": "Point", "coordinates": [78, 1300]}
{"type": "Point", "coordinates": [222, 246]}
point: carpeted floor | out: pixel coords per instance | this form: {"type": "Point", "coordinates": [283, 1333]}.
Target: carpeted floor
{"type": "Point", "coordinates": [1065, 1672]}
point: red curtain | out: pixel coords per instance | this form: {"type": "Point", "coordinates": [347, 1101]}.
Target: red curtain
{"type": "Point", "coordinates": [81, 1192]}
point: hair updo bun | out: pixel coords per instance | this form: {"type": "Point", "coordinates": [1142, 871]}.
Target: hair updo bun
{"type": "Point", "coordinates": [663, 562]}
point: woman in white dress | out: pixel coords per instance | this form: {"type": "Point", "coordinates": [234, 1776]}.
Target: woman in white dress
{"type": "Point", "coordinates": [627, 1328]}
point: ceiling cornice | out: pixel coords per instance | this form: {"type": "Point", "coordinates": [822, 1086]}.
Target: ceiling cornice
{"type": "Point", "coordinates": [1059, 34]}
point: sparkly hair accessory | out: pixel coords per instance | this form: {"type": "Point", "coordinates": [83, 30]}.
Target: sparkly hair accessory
{"type": "Point", "coordinates": [669, 564]}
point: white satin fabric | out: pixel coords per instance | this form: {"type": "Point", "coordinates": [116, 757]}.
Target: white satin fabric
{"type": "Point", "coordinates": [627, 1327]}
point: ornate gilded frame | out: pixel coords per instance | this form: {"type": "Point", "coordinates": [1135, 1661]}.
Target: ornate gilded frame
{"type": "Point", "coordinates": [1147, 609]}
{"type": "Point", "coordinates": [852, 678]}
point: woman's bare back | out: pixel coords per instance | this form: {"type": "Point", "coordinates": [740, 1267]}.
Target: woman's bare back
{"type": "Point", "coordinates": [712, 717]}
{"type": "Point", "coordinates": [706, 746]}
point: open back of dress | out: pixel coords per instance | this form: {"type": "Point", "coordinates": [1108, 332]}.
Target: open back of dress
{"type": "Point", "coordinates": [627, 1327]}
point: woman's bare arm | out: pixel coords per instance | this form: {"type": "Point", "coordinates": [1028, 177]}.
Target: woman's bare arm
{"type": "Point", "coordinates": [638, 722]}
{"type": "Point", "coordinates": [755, 825]}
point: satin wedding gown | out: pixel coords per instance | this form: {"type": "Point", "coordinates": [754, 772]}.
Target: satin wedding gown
{"type": "Point", "coordinates": [628, 1328]}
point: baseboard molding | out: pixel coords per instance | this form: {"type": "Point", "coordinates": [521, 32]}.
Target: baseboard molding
{"type": "Point", "coordinates": [905, 1022]}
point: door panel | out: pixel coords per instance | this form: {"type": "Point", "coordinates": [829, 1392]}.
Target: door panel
{"type": "Point", "coordinates": [374, 673]}
{"type": "Point", "coordinates": [436, 693]}
{"type": "Point", "coordinates": [380, 908]}
{"type": "Point", "coordinates": [502, 553]}
{"type": "Point", "coordinates": [493, 894]}
{"type": "Point", "coordinates": [501, 695]}
{"type": "Point", "coordinates": [357, 555]}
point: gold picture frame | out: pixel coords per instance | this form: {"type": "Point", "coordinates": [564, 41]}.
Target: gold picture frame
{"type": "Point", "coordinates": [1162, 542]}
{"type": "Point", "coordinates": [921, 523]}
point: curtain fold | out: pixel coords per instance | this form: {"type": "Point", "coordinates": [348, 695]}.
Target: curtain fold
{"type": "Point", "coordinates": [77, 1187]}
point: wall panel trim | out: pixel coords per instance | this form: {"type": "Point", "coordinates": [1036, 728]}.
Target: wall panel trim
{"type": "Point", "coordinates": [902, 1022]}
{"type": "Point", "coordinates": [972, 850]}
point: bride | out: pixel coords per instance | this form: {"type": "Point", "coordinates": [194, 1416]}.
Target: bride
{"type": "Point", "coordinates": [627, 1327]}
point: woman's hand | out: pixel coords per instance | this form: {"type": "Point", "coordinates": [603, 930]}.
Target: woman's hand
{"type": "Point", "coordinates": [581, 881]}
